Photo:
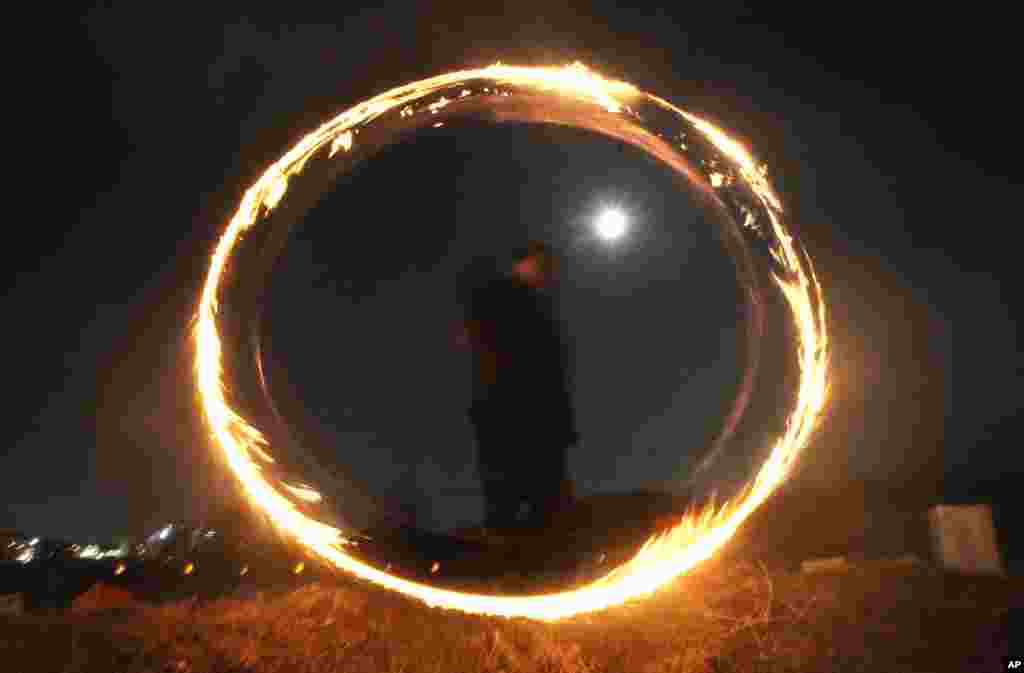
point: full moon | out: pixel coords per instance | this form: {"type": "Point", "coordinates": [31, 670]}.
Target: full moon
{"type": "Point", "coordinates": [611, 224]}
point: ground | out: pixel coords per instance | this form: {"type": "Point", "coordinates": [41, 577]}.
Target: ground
{"type": "Point", "coordinates": [725, 616]}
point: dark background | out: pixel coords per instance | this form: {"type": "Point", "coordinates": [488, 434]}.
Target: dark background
{"type": "Point", "coordinates": [138, 129]}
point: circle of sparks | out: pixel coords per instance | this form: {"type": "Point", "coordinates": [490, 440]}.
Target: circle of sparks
{"type": "Point", "coordinates": [715, 164]}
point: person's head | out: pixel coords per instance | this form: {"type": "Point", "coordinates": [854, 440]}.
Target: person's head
{"type": "Point", "coordinates": [537, 265]}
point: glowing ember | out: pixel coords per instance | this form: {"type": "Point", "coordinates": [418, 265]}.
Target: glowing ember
{"type": "Point", "coordinates": [342, 142]}
{"type": "Point", "coordinates": [304, 492]}
{"type": "Point", "coordinates": [694, 537]}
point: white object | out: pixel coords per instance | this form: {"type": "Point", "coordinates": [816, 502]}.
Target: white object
{"type": "Point", "coordinates": [611, 224]}
{"type": "Point", "coordinates": [964, 539]}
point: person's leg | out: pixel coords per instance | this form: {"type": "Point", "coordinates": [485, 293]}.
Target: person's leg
{"type": "Point", "coordinates": [541, 491]}
{"type": "Point", "coordinates": [498, 448]}
{"type": "Point", "coordinates": [501, 504]}
{"type": "Point", "coordinates": [547, 482]}
{"type": "Point", "coordinates": [565, 489]}
{"type": "Point", "coordinates": [491, 480]}
{"type": "Point", "coordinates": [539, 514]}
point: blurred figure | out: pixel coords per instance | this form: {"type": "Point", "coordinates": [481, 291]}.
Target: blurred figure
{"type": "Point", "coordinates": [521, 410]}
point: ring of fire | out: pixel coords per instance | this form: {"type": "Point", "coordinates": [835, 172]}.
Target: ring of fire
{"type": "Point", "coordinates": [613, 108]}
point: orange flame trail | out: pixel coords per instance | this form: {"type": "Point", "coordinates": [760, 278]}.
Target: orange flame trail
{"type": "Point", "coordinates": [665, 556]}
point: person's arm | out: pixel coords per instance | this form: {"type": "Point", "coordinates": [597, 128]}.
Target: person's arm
{"type": "Point", "coordinates": [475, 335]}
{"type": "Point", "coordinates": [468, 333]}
{"type": "Point", "coordinates": [461, 334]}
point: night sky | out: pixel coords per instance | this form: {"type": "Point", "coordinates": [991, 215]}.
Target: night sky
{"type": "Point", "coordinates": [886, 140]}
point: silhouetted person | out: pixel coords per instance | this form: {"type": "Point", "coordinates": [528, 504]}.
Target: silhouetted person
{"type": "Point", "coordinates": [521, 411]}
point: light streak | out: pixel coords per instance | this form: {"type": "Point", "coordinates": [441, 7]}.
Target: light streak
{"type": "Point", "coordinates": [695, 537]}
{"type": "Point", "coordinates": [304, 492]}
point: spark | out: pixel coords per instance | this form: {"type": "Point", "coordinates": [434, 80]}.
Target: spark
{"type": "Point", "coordinates": [342, 142]}
{"type": "Point", "coordinates": [694, 538]}
{"type": "Point", "coordinates": [304, 492]}
{"type": "Point", "coordinates": [438, 106]}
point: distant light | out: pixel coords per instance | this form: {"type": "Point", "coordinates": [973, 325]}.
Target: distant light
{"type": "Point", "coordinates": [165, 532]}
{"type": "Point", "coordinates": [119, 569]}
{"type": "Point", "coordinates": [189, 567]}
{"type": "Point", "coordinates": [611, 224]}
{"type": "Point", "coordinates": [26, 556]}
{"type": "Point", "coordinates": [210, 533]}
{"type": "Point", "coordinates": [434, 568]}
{"type": "Point", "coordinates": [299, 567]}
{"type": "Point", "coordinates": [90, 551]}
{"type": "Point", "coordinates": [245, 569]}
{"type": "Point", "coordinates": [34, 541]}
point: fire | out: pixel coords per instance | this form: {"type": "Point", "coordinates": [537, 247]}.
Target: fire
{"type": "Point", "coordinates": [694, 538]}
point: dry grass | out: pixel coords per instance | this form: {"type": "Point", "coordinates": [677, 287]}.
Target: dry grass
{"type": "Point", "coordinates": [725, 617]}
